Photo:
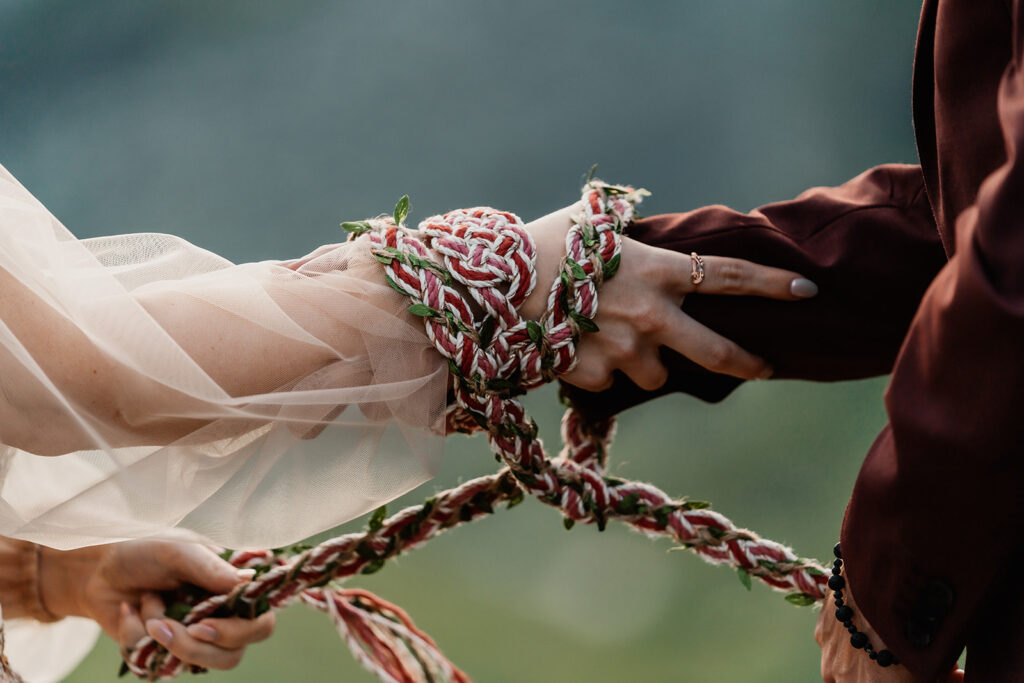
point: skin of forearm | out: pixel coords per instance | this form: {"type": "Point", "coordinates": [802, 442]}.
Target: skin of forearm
{"type": "Point", "coordinates": [241, 357]}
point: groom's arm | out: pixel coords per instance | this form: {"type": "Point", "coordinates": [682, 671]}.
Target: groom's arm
{"type": "Point", "coordinates": [872, 247]}
{"type": "Point", "coordinates": [932, 539]}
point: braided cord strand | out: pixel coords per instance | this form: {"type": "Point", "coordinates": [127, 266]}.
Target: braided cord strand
{"type": "Point", "coordinates": [488, 255]}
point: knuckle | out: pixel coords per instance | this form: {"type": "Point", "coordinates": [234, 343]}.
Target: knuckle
{"type": "Point", "coordinates": [655, 378]}
{"type": "Point", "coordinates": [721, 357]}
{"type": "Point", "coordinates": [733, 275]}
{"type": "Point", "coordinates": [264, 628]}
{"type": "Point", "coordinates": [187, 650]}
{"type": "Point", "coordinates": [624, 347]}
{"type": "Point", "coordinates": [229, 660]}
{"type": "Point", "coordinates": [647, 318]}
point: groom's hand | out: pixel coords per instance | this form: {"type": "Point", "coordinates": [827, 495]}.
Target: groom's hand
{"type": "Point", "coordinates": [639, 309]}
{"type": "Point", "coordinates": [117, 586]}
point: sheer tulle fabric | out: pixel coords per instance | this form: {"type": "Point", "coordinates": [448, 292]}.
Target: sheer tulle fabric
{"type": "Point", "coordinates": [262, 402]}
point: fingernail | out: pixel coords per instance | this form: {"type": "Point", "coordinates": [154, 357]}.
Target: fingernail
{"type": "Point", "coordinates": [803, 288]}
{"type": "Point", "coordinates": [203, 632]}
{"type": "Point", "coordinates": [125, 610]}
{"type": "Point", "coordinates": [767, 372]}
{"type": "Point", "coordinates": [246, 574]}
{"type": "Point", "coordinates": [159, 631]}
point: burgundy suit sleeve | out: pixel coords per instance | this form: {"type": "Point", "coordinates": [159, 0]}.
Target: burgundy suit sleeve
{"type": "Point", "coordinates": [934, 522]}
{"type": "Point", "coordinates": [871, 246]}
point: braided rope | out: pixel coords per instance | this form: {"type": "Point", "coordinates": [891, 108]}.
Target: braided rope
{"type": "Point", "coordinates": [489, 255]}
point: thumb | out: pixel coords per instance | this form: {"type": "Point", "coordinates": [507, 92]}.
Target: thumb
{"type": "Point", "coordinates": [199, 565]}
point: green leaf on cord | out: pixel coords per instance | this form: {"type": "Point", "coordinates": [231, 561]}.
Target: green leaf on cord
{"type": "Point", "coordinates": [487, 331]}
{"type": "Point", "coordinates": [800, 599]}
{"type": "Point", "coordinates": [585, 323]}
{"type": "Point", "coordinates": [178, 610]}
{"type": "Point", "coordinates": [422, 310]}
{"type": "Point", "coordinates": [386, 260]}
{"type": "Point", "coordinates": [373, 567]}
{"type": "Point", "coordinates": [590, 174]}
{"type": "Point", "coordinates": [355, 226]}
{"type": "Point", "coordinates": [696, 505]}
{"type": "Point", "coordinates": [568, 523]}
{"type": "Point", "coordinates": [744, 577]}
{"type": "Point", "coordinates": [627, 504]}
{"type": "Point", "coordinates": [401, 209]}
{"type": "Point", "coordinates": [394, 285]}
{"type": "Point", "coordinates": [577, 269]}
{"type": "Point", "coordinates": [377, 518]}
{"type": "Point", "coordinates": [535, 331]}
{"type": "Point", "coordinates": [612, 266]}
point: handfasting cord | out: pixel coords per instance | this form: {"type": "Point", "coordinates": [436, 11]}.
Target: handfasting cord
{"type": "Point", "coordinates": [493, 359]}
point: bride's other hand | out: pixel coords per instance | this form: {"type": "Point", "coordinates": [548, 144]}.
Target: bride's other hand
{"type": "Point", "coordinates": [639, 309]}
{"type": "Point", "coordinates": [116, 585]}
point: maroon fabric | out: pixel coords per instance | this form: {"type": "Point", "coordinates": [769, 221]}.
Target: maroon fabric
{"type": "Point", "coordinates": [932, 536]}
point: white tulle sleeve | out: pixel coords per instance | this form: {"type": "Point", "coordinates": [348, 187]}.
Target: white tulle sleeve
{"type": "Point", "coordinates": [148, 386]}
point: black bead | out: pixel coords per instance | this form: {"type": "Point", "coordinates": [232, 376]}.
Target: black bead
{"type": "Point", "coordinates": [837, 583]}
{"type": "Point", "coordinates": [837, 563]}
{"type": "Point", "coordinates": [839, 602]}
{"type": "Point", "coordinates": [850, 627]}
{"type": "Point", "coordinates": [844, 613]}
{"type": "Point", "coordinates": [871, 653]}
{"type": "Point", "coordinates": [885, 658]}
{"type": "Point", "coordinates": [836, 571]}
{"type": "Point", "coordinates": [837, 552]}
{"type": "Point", "coordinates": [838, 595]}
{"type": "Point", "coordinates": [858, 640]}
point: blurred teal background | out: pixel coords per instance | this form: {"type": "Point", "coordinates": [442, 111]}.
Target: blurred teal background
{"type": "Point", "coordinates": [253, 127]}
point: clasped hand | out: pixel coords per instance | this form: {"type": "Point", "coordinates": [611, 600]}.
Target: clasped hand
{"type": "Point", "coordinates": [118, 586]}
{"type": "Point", "coordinates": [639, 309]}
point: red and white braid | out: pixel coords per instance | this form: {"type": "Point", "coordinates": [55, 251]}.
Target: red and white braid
{"type": "Point", "coordinates": [489, 255]}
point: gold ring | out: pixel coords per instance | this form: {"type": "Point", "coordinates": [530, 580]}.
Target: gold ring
{"type": "Point", "coordinates": [697, 274]}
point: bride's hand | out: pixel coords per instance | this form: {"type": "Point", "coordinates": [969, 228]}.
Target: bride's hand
{"type": "Point", "coordinates": [117, 586]}
{"type": "Point", "coordinates": [639, 309]}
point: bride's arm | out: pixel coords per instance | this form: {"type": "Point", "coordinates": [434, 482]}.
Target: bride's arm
{"type": "Point", "coordinates": [63, 383]}
{"type": "Point", "coordinates": [260, 328]}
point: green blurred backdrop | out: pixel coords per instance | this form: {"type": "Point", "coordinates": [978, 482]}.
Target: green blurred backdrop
{"type": "Point", "coordinates": [253, 127]}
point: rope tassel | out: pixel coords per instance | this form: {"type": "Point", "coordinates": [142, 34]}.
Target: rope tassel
{"type": "Point", "coordinates": [488, 256]}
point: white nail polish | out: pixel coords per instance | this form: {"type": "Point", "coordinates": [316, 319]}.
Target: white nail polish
{"type": "Point", "coordinates": [803, 288]}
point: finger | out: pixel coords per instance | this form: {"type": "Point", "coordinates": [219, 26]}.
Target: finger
{"type": "Point", "coordinates": [593, 372]}
{"type": "Point", "coordinates": [710, 349]}
{"type": "Point", "coordinates": [173, 636]}
{"type": "Point", "coordinates": [646, 370]}
{"type": "Point", "coordinates": [197, 564]}
{"type": "Point", "coordinates": [233, 633]}
{"type": "Point", "coordinates": [593, 376]}
{"type": "Point", "coordinates": [724, 275]}
{"type": "Point", "coordinates": [130, 628]}
{"type": "Point", "coordinates": [151, 607]}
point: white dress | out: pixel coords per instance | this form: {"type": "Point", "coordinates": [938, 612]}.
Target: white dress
{"type": "Point", "coordinates": [273, 457]}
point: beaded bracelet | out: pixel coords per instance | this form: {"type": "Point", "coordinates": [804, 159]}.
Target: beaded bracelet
{"type": "Point", "coordinates": [844, 615]}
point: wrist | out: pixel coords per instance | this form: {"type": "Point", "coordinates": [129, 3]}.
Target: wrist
{"type": "Point", "coordinates": [20, 587]}
{"type": "Point", "coordinates": [62, 577]}
{"type": "Point", "coordinates": [548, 233]}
